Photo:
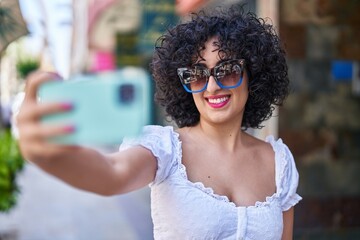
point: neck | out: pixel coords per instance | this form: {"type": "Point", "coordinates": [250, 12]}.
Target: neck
{"type": "Point", "coordinates": [227, 136]}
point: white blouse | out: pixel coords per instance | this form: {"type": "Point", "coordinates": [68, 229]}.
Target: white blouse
{"type": "Point", "coordinates": [182, 209]}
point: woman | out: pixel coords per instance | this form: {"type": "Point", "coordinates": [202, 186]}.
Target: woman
{"type": "Point", "coordinates": [216, 76]}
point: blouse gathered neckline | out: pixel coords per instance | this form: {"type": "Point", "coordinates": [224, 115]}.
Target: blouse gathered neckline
{"type": "Point", "coordinates": [208, 190]}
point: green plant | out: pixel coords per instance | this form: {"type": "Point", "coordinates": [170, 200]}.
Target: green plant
{"type": "Point", "coordinates": [11, 162]}
{"type": "Point", "coordinates": [26, 66]}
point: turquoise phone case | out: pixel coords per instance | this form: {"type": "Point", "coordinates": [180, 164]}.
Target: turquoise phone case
{"type": "Point", "coordinates": [106, 107]}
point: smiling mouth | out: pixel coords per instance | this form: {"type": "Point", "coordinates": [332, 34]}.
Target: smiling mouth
{"type": "Point", "coordinates": [218, 100]}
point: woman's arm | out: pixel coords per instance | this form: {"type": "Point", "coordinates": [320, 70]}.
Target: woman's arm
{"type": "Point", "coordinates": [288, 219]}
{"type": "Point", "coordinates": [90, 170]}
{"type": "Point", "coordinates": [80, 167]}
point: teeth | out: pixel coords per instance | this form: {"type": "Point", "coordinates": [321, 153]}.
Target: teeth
{"type": "Point", "coordinates": [218, 100]}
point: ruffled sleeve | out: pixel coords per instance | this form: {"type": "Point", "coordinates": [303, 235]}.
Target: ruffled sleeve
{"type": "Point", "coordinates": [287, 176]}
{"type": "Point", "coordinates": [161, 141]}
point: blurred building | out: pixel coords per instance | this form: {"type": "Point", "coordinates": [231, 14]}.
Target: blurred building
{"type": "Point", "coordinates": [321, 118]}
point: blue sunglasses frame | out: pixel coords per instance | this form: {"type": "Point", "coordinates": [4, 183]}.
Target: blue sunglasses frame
{"type": "Point", "coordinates": [211, 72]}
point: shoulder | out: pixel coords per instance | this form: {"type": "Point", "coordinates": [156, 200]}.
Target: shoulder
{"type": "Point", "coordinates": [283, 157]}
{"type": "Point", "coordinates": [157, 128]}
{"type": "Point", "coordinates": [262, 151]}
{"type": "Point", "coordinates": [164, 144]}
{"type": "Point", "coordinates": [152, 137]}
{"type": "Point", "coordinates": [287, 176]}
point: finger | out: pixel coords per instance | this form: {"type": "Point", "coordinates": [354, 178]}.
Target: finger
{"type": "Point", "coordinates": [53, 108]}
{"type": "Point", "coordinates": [35, 142]}
{"type": "Point", "coordinates": [43, 132]}
{"type": "Point", "coordinates": [35, 80]}
{"type": "Point", "coordinates": [34, 111]}
{"type": "Point", "coordinates": [55, 131]}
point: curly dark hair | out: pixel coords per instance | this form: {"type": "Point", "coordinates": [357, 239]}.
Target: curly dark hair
{"type": "Point", "coordinates": [240, 35]}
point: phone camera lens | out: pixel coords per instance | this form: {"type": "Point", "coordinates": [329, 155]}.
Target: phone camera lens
{"type": "Point", "coordinates": [127, 93]}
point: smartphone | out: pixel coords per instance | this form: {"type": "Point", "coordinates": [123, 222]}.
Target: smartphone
{"type": "Point", "coordinates": [106, 107]}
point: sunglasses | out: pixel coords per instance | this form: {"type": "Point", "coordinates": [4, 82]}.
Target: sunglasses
{"type": "Point", "coordinates": [227, 74]}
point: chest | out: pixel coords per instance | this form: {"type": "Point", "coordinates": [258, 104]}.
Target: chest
{"type": "Point", "coordinates": [243, 177]}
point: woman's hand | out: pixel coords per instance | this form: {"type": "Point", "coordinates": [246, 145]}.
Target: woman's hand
{"type": "Point", "coordinates": [33, 135]}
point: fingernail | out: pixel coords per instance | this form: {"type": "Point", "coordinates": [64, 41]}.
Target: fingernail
{"type": "Point", "coordinates": [69, 129]}
{"type": "Point", "coordinates": [56, 76]}
{"type": "Point", "coordinates": [66, 106]}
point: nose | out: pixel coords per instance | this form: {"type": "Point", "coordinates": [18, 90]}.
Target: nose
{"type": "Point", "coordinates": [212, 85]}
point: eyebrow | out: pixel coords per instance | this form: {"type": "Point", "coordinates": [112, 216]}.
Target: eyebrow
{"type": "Point", "coordinates": [204, 64]}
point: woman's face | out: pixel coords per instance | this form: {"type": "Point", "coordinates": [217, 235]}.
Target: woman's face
{"type": "Point", "coordinates": [217, 105]}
